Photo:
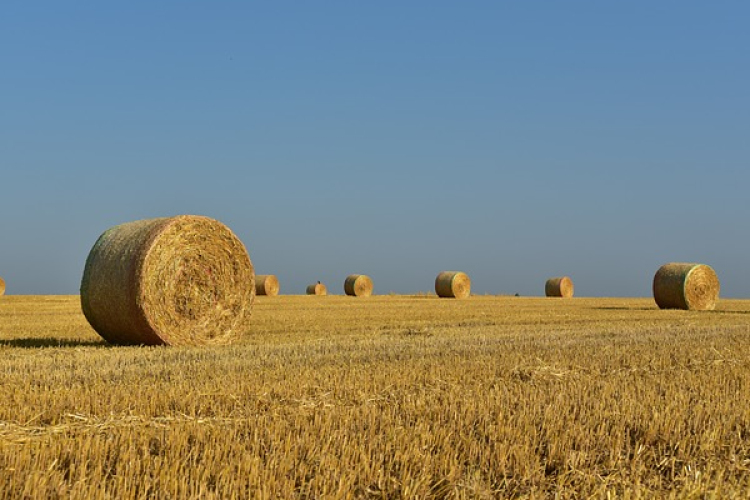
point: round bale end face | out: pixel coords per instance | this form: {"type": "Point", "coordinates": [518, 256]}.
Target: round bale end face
{"type": "Point", "coordinates": [184, 280]}
{"type": "Point", "coordinates": [687, 286]}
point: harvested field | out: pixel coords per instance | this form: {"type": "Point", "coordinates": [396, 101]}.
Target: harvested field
{"type": "Point", "coordinates": [396, 396]}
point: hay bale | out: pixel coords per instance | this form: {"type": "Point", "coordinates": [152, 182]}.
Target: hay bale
{"type": "Point", "coordinates": [453, 284]}
{"type": "Point", "coordinates": [358, 285]}
{"type": "Point", "coordinates": [680, 285]}
{"type": "Point", "coordinates": [317, 289]}
{"type": "Point", "coordinates": [559, 287]}
{"type": "Point", "coordinates": [2, 286]}
{"type": "Point", "coordinates": [266, 284]}
{"type": "Point", "coordinates": [185, 280]}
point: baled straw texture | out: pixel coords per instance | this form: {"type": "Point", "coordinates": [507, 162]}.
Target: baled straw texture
{"type": "Point", "coordinates": [317, 289]}
{"type": "Point", "coordinates": [185, 280]}
{"type": "Point", "coordinates": [680, 285]}
{"type": "Point", "coordinates": [453, 284]}
{"type": "Point", "coordinates": [266, 284]}
{"type": "Point", "coordinates": [2, 286]}
{"type": "Point", "coordinates": [559, 287]}
{"type": "Point", "coordinates": [358, 285]}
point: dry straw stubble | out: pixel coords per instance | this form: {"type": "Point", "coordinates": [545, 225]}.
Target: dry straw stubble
{"type": "Point", "coordinates": [317, 289]}
{"type": "Point", "coordinates": [453, 284]}
{"type": "Point", "coordinates": [358, 285]}
{"type": "Point", "coordinates": [689, 286]}
{"type": "Point", "coordinates": [184, 280]}
{"type": "Point", "coordinates": [266, 284]}
{"type": "Point", "coordinates": [559, 287]}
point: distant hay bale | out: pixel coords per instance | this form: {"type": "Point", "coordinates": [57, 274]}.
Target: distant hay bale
{"type": "Point", "coordinates": [266, 284]}
{"type": "Point", "coordinates": [184, 280]}
{"type": "Point", "coordinates": [559, 287]}
{"type": "Point", "coordinates": [690, 286]}
{"type": "Point", "coordinates": [2, 286]}
{"type": "Point", "coordinates": [317, 289]}
{"type": "Point", "coordinates": [358, 285]}
{"type": "Point", "coordinates": [453, 284]}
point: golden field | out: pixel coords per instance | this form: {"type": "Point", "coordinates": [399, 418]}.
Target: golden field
{"type": "Point", "coordinates": [383, 397]}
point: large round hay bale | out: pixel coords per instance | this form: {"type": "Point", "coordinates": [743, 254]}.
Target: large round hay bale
{"type": "Point", "coordinates": [266, 284]}
{"type": "Point", "coordinates": [453, 284]}
{"type": "Point", "coordinates": [184, 280]}
{"type": "Point", "coordinates": [317, 289]}
{"type": "Point", "coordinates": [680, 285]}
{"type": "Point", "coordinates": [358, 285]}
{"type": "Point", "coordinates": [559, 287]}
{"type": "Point", "coordinates": [2, 286]}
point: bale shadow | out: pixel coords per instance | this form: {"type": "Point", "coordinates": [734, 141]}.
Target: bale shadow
{"type": "Point", "coordinates": [40, 342]}
{"type": "Point", "coordinates": [727, 312]}
{"type": "Point", "coordinates": [623, 308]}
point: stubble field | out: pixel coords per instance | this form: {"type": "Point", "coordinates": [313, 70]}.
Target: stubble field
{"type": "Point", "coordinates": [383, 397]}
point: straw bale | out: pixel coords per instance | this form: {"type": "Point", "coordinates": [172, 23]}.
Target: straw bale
{"type": "Point", "coordinates": [690, 286]}
{"type": "Point", "coordinates": [266, 284]}
{"type": "Point", "coordinates": [559, 287]}
{"type": "Point", "coordinates": [358, 285]}
{"type": "Point", "coordinates": [453, 284]}
{"type": "Point", "coordinates": [2, 286]}
{"type": "Point", "coordinates": [317, 289]}
{"type": "Point", "coordinates": [184, 280]}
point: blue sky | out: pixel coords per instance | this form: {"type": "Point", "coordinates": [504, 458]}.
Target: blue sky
{"type": "Point", "coordinates": [512, 140]}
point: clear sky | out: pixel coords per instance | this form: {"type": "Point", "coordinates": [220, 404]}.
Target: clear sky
{"type": "Point", "coordinates": [512, 140]}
